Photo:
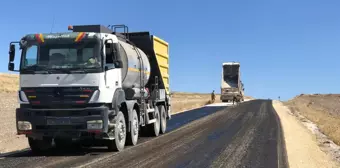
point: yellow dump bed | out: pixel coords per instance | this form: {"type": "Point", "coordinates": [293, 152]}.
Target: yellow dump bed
{"type": "Point", "coordinates": [161, 49]}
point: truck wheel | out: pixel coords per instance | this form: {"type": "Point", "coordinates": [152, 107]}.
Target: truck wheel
{"type": "Point", "coordinates": [119, 134]}
{"type": "Point", "coordinates": [39, 146]}
{"type": "Point", "coordinates": [153, 128]}
{"type": "Point", "coordinates": [163, 119]}
{"type": "Point", "coordinates": [132, 136]}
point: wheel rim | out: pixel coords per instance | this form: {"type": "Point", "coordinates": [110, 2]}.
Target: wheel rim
{"type": "Point", "coordinates": [163, 119]}
{"type": "Point", "coordinates": [157, 123]}
{"type": "Point", "coordinates": [135, 126]}
{"type": "Point", "coordinates": [157, 118]}
{"type": "Point", "coordinates": [121, 131]}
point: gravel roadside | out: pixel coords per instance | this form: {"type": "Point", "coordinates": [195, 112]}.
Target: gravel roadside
{"type": "Point", "coordinates": [302, 147]}
{"type": "Point", "coordinates": [9, 140]}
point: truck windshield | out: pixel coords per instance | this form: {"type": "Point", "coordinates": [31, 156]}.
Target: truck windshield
{"type": "Point", "coordinates": [67, 57]}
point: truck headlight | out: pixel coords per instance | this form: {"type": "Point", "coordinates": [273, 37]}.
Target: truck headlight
{"type": "Point", "coordinates": [24, 126]}
{"type": "Point", "coordinates": [22, 97]}
{"type": "Point", "coordinates": [95, 124]}
{"type": "Point", "coordinates": [95, 96]}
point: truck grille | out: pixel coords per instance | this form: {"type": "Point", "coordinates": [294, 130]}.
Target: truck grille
{"type": "Point", "coordinates": [58, 96]}
{"type": "Point", "coordinates": [60, 127]}
{"type": "Point", "coordinates": [60, 113]}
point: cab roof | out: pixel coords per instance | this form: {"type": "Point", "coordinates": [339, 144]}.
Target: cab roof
{"type": "Point", "coordinates": [231, 63]}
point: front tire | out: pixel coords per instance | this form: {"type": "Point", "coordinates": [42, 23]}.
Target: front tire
{"type": "Point", "coordinates": [40, 146]}
{"type": "Point", "coordinates": [118, 143]}
{"type": "Point", "coordinates": [132, 136]}
{"type": "Point", "coordinates": [162, 119]}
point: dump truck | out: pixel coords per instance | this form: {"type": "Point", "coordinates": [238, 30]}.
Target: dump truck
{"type": "Point", "coordinates": [94, 84]}
{"type": "Point", "coordinates": [231, 85]}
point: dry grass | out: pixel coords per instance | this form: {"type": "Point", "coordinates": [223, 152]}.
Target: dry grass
{"type": "Point", "coordinates": [181, 101]}
{"type": "Point", "coordinates": [302, 145]}
{"type": "Point", "coordinates": [9, 83]}
{"type": "Point", "coordinates": [323, 110]}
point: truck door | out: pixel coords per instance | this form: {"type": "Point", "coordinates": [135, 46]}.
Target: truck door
{"type": "Point", "coordinates": [112, 73]}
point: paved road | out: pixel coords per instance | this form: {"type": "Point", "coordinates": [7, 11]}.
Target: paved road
{"type": "Point", "coordinates": [248, 135]}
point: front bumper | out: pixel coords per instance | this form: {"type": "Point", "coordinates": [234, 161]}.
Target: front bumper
{"type": "Point", "coordinates": [229, 96]}
{"type": "Point", "coordinates": [64, 123]}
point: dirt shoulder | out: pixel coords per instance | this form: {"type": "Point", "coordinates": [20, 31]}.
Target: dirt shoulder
{"type": "Point", "coordinates": [9, 141]}
{"type": "Point", "coordinates": [321, 114]}
{"type": "Point", "coordinates": [301, 143]}
{"type": "Point", "coordinates": [323, 110]}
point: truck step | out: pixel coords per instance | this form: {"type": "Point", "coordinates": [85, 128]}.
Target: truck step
{"type": "Point", "coordinates": [150, 110]}
{"type": "Point", "coordinates": [108, 138]}
{"type": "Point", "coordinates": [152, 121]}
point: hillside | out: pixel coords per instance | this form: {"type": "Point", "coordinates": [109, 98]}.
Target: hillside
{"type": "Point", "coordinates": [320, 113]}
{"type": "Point", "coordinates": [322, 109]}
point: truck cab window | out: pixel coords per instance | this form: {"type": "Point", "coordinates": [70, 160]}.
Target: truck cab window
{"type": "Point", "coordinates": [31, 56]}
{"type": "Point", "coordinates": [109, 53]}
{"type": "Point", "coordinates": [58, 57]}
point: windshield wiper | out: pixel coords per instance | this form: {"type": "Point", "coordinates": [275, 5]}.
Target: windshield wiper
{"type": "Point", "coordinates": [77, 70]}
{"type": "Point", "coordinates": [28, 71]}
{"type": "Point", "coordinates": [63, 70]}
{"type": "Point", "coordinates": [82, 69]}
{"type": "Point", "coordinates": [36, 69]}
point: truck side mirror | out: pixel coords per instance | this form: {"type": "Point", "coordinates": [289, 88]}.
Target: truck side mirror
{"type": "Point", "coordinates": [11, 66]}
{"type": "Point", "coordinates": [11, 52]}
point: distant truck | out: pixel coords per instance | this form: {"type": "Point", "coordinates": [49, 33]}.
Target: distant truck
{"type": "Point", "coordinates": [231, 85]}
{"type": "Point", "coordinates": [92, 85]}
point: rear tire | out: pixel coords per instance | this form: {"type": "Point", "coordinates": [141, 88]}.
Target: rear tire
{"type": "Point", "coordinates": [162, 119]}
{"type": "Point", "coordinates": [118, 143]}
{"type": "Point", "coordinates": [154, 128]}
{"type": "Point", "coordinates": [40, 146]}
{"type": "Point", "coordinates": [132, 136]}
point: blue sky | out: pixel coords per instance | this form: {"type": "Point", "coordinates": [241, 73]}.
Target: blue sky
{"type": "Point", "coordinates": [285, 47]}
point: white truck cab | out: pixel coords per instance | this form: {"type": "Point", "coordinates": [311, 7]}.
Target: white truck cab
{"type": "Point", "coordinates": [90, 84]}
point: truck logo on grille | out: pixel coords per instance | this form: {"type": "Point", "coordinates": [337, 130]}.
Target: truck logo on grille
{"type": "Point", "coordinates": [57, 93]}
{"type": "Point", "coordinates": [58, 77]}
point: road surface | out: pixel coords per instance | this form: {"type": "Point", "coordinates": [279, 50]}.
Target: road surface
{"type": "Point", "coordinates": [248, 135]}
